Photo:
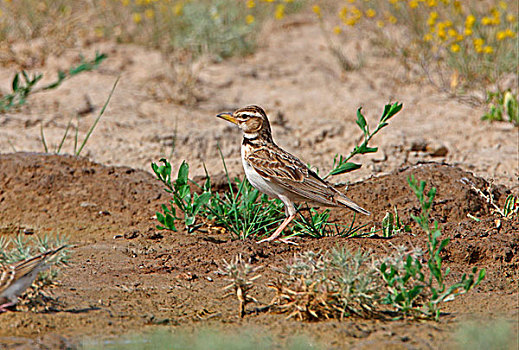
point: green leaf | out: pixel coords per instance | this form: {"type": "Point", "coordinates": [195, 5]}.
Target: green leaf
{"type": "Point", "coordinates": [390, 110]}
{"type": "Point", "coordinates": [183, 173]}
{"type": "Point", "coordinates": [361, 121]}
{"type": "Point", "coordinates": [344, 168]}
{"type": "Point", "coordinates": [16, 81]}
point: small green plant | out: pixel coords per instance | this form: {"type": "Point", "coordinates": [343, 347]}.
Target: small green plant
{"type": "Point", "coordinates": [335, 284]}
{"type": "Point", "coordinates": [410, 291]}
{"type": "Point", "coordinates": [341, 164]}
{"type": "Point", "coordinates": [22, 89]}
{"type": "Point", "coordinates": [189, 202]}
{"type": "Point", "coordinates": [503, 106]}
{"type": "Point", "coordinates": [239, 273]}
{"type": "Point", "coordinates": [391, 225]}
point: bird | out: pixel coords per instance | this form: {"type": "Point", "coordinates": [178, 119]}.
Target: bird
{"type": "Point", "coordinates": [279, 174]}
{"type": "Point", "coordinates": [15, 278]}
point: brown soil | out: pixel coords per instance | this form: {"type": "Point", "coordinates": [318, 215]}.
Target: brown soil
{"type": "Point", "coordinates": [126, 275]}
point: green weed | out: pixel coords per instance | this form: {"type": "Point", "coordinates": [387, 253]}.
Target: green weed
{"type": "Point", "coordinates": [21, 89]}
{"type": "Point", "coordinates": [391, 225]}
{"type": "Point", "coordinates": [502, 106]}
{"type": "Point", "coordinates": [341, 164]}
{"type": "Point", "coordinates": [77, 150]}
{"type": "Point", "coordinates": [410, 291]}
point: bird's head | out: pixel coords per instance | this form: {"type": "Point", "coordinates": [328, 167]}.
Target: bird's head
{"type": "Point", "coordinates": [252, 120]}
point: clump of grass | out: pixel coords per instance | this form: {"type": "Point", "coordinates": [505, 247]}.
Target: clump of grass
{"type": "Point", "coordinates": [239, 274]}
{"type": "Point", "coordinates": [22, 89]}
{"type": "Point", "coordinates": [335, 284]}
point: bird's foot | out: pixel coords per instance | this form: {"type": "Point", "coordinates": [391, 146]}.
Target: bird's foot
{"type": "Point", "coordinates": [3, 307]}
{"type": "Point", "coordinates": [282, 240]}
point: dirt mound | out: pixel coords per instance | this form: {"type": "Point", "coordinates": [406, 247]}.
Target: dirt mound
{"type": "Point", "coordinates": [125, 274]}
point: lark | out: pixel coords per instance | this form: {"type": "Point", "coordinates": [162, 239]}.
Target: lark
{"type": "Point", "coordinates": [16, 278]}
{"type": "Point", "coordinates": [279, 174]}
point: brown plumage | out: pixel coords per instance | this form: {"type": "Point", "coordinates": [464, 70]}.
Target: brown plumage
{"type": "Point", "coordinates": [16, 278]}
{"type": "Point", "coordinates": [278, 173]}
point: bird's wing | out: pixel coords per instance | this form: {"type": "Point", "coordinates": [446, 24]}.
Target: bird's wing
{"type": "Point", "coordinates": [290, 173]}
{"type": "Point", "coordinates": [13, 272]}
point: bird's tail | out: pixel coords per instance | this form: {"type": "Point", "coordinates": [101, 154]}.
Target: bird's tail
{"type": "Point", "coordinates": [342, 199]}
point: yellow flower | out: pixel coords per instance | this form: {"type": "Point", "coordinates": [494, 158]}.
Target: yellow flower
{"type": "Point", "coordinates": [432, 3]}
{"type": "Point", "coordinates": [393, 2]}
{"type": "Point", "coordinates": [488, 49]}
{"type": "Point", "coordinates": [251, 4]}
{"type": "Point", "coordinates": [289, 1]}
{"type": "Point", "coordinates": [413, 4]}
{"type": "Point", "coordinates": [351, 21]}
{"type": "Point", "coordinates": [452, 32]}
{"type": "Point", "coordinates": [392, 19]}
{"type": "Point", "coordinates": [357, 14]}
{"type": "Point", "coordinates": [469, 21]}
{"type": "Point", "coordinates": [479, 49]}
{"type": "Point", "coordinates": [370, 13]}
{"type": "Point", "coordinates": [177, 9]}
{"type": "Point", "coordinates": [317, 10]}
{"type": "Point", "coordinates": [337, 30]}
{"type": "Point", "coordinates": [125, 2]}
{"type": "Point", "coordinates": [149, 13]}
{"type": "Point", "coordinates": [427, 37]}
{"type": "Point", "coordinates": [467, 32]}
{"type": "Point", "coordinates": [137, 18]}
{"type": "Point", "coordinates": [280, 11]}
{"type": "Point", "coordinates": [455, 48]}
{"type": "Point", "coordinates": [380, 24]}
{"type": "Point", "coordinates": [343, 12]}
{"type": "Point", "coordinates": [500, 35]}
{"type": "Point", "coordinates": [503, 5]}
{"type": "Point", "coordinates": [486, 21]}
{"type": "Point", "coordinates": [510, 18]}
{"type": "Point", "coordinates": [448, 23]}
{"type": "Point", "coordinates": [478, 42]}
{"type": "Point", "coordinates": [249, 19]}
{"type": "Point", "coordinates": [351, 1]}
{"type": "Point", "coordinates": [441, 34]}
{"type": "Point", "coordinates": [509, 33]}
{"type": "Point", "coordinates": [459, 37]}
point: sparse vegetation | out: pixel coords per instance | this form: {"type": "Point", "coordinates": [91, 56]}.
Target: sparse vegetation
{"type": "Point", "coordinates": [412, 291]}
{"type": "Point", "coordinates": [22, 89]}
{"type": "Point", "coordinates": [239, 273]}
{"type": "Point", "coordinates": [245, 212]}
{"type": "Point", "coordinates": [78, 147]}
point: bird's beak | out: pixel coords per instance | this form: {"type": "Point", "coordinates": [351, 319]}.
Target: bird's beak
{"type": "Point", "coordinates": [228, 116]}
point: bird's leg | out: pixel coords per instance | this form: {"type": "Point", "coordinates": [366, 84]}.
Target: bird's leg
{"type": "Point", "coordinates": [290, 212]}
{"type": "Point", "coordinates": [3, 307]}
{"type": "Point", "coordinates": [279, 229]}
